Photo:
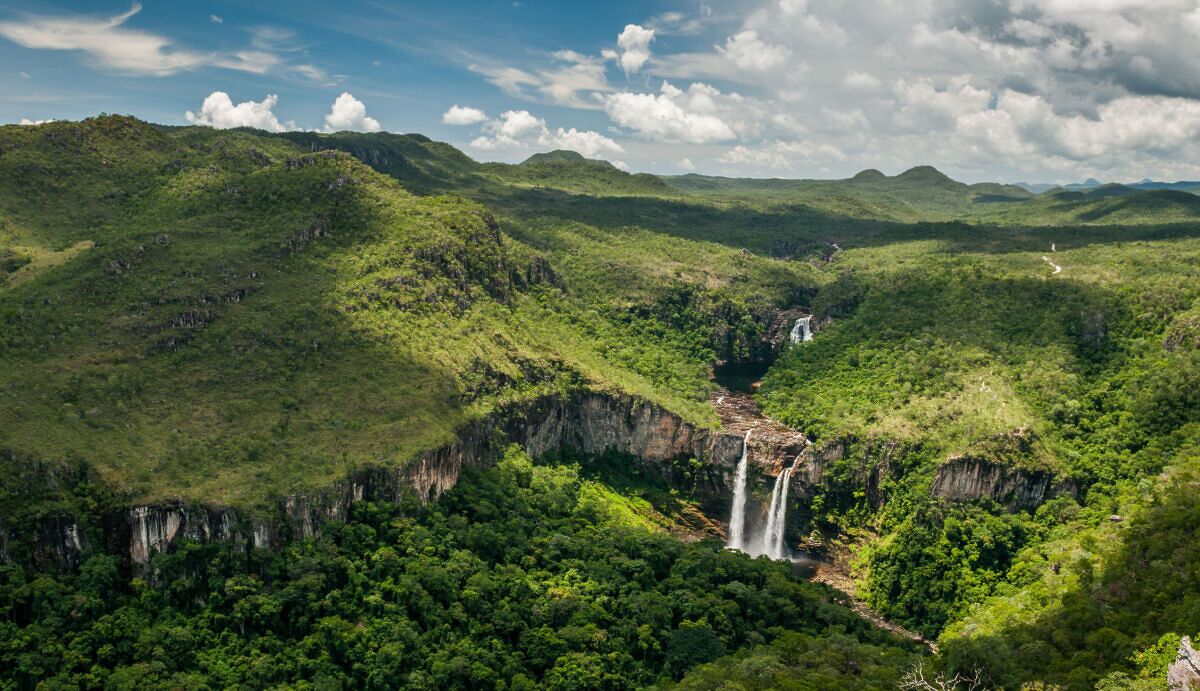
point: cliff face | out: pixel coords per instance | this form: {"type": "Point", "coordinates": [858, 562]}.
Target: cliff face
{"type": "Point", "coordinates": [1184, 673]}
{"type": "Point", "coordinates": [967, 478]}
{"type": "Point", "coordinates": [589, 423]}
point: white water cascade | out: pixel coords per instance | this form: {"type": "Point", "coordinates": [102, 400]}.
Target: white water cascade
{"type": "Point", "coordinates": [737, 518]}
{"type": "Point", "coordinates": [770, 542]}
{"type": "Point", "coordinates": [802, 330]}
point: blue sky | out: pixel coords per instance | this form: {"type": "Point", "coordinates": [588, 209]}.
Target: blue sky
{"type": "Point", "coordinates": [984, 89]}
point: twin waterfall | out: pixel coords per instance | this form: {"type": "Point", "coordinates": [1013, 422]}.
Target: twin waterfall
{"type": "Point", "coordinates": [770, 540]}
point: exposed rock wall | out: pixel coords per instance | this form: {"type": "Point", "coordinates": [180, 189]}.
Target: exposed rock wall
{"type": "Point", "coordinates": [590, 423]}
{"type": "Point", "coordinates": [1015, 488]}
{"type": "Point", "coordinates": [1184, 672]}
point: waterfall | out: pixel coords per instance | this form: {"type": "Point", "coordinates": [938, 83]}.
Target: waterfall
{"type": "Point", "coordinates": [770, 542]}
{"type": "Point", "coordinates": [801, 330]}
{"type": "Point", "coordinates": [737, 518]}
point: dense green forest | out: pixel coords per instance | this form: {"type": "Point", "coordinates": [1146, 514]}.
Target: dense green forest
{"type": "Point", "coordinates": [524, 576]}
{"type": "Point", "coordinates": [228, 318]}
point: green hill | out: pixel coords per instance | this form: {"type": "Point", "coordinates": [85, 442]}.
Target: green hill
{"type": "Point", "coordinates": [250, 318]}
{"type": "Point", "coordinates": [1001, 395]}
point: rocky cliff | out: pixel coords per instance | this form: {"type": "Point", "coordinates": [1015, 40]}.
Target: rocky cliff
{"type": "Point", "coordinates": [967, 478]}
{"type": "Point", "coordinates": [1012, 468]}
{"type": "Point", "coordinates": [1184, 673]}
{"type": "Point", "coordinates": [589, 422]}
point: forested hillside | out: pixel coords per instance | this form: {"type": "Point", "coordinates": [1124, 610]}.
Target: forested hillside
{"type": "Point", "coordinates": [1000, 402]}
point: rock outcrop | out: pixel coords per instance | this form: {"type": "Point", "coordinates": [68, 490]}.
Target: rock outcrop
{"type": "Point", "coordinates": [773, 446]}
{"type": "Point", "coordinates": [1012, 468]}
{"type": "Point", "coordinates": [1184, 672]}
{"type": "Point", "coordinates": [1015, 488]}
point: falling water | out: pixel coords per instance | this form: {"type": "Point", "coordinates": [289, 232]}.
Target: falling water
{"type": "Point", "coordinates": [801, 330]}
{"type": "Point", "coordinates": [770, 542]}
{"type": "Point", "coordinates": [737, 518]}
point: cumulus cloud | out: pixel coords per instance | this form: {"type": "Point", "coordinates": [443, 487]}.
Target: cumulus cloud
{"type": "Point", "coordinates": [520, 129]}
{"type": "Point", "coordinates": [861, 81]}
{"type": "Point", "coordinates": [219, 111]}
{"type": "Point", "coordinates": [1002, 89]}
{"type": "Point", "coordinates": [349, 113]}
{"type": "Point", "coordinates": [749, 52]}
{"type": "Point", "coordinates": [634, 44]}
{"type": "Point", "coordinates": [112, 45]}
{"type": "Point", "coordinates": [781, 155]}
{"type": "Point", "coordinates": [672, 115]}
{"type": "Point", "coordinates": [29, 123]}
{"type": "Point", "coordinates": [463, 115]}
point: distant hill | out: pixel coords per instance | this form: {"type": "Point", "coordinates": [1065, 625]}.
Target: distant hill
{"type": "Point", "coordinates": [1191, 186]}
{"type": "Point", "coordinates": [556, 155]}
{"type": "Point", "coordinates": [569, 170]}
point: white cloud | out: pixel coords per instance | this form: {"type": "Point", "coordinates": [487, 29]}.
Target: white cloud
{"type": "Point", "coordinates": [29, 123]}
{"type": "Point", "coordinates": [520, 129]}
{"type": "Point", "coordinates": [571, 83]}
{"type": "Point", "coordinates": [113, 46]}
{"type": "Point", "coordinates": [749, 52]}
{"type": "Point", "coordinates": [311, 73]}
{"type": "Point", "coordinates": [862, 81]}
{"type": "Point", "coordinates": [634, 44]}
{"type": "Point", "coordinates": [755, 157]}
{"type": "Point", "coordinates": [686, 164]}
{"type": "Point", "coordinates": [463, 115]}
{"type": "Point", "coordinates": [219, 111]}
{"type": "Point", "coordinates": [349, 113]}
{"type": "Point", "coordinates": [1005, 89]}
{"type": "Point", "coordinates": [782, 155]}
{"type": "Point", "coordinates": [25, 75]}
{"type": "Point", "coordinates": [671, 115]}
{"type": "Point", "coordinates": [215, 19]}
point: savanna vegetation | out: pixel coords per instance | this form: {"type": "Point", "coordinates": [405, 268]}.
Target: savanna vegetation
{"type": "Point", "coordinates": [229, 316]}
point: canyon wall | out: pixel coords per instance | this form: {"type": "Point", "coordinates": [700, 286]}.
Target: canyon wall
{"type": "Point", "coordinates": [590, 423]}
{"type": "Point", "coordinates": [1015, 488]}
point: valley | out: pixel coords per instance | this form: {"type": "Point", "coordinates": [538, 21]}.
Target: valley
{"type": "Point", "coordinates": [356, 407]}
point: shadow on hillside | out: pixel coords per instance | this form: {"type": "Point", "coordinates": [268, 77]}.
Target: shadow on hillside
{"type": "Point", "coordinates": [991, 239]}
{"type": "Point", "coordinates": [792, 230]}
{"type": "Point", "coordinates": [799, 230]}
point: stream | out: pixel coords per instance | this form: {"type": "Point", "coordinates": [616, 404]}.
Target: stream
{"type": "Point", "coordinates": [740, 414]}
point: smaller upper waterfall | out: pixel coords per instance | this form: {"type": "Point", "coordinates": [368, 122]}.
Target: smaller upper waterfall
{"type": "Point", "coordinates": [802, 330]}
{"type": "Point", "coordinates": [737, 517]}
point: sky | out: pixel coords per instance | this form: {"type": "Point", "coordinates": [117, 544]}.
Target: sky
{"type": "Point", "coordinates": [1005, 90]}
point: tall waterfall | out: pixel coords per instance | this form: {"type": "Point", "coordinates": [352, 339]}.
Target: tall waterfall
{"type": "Point", "coordinates": [737, 518]}
{"type": "Point", "coordinates": [770, 542]}
{"type": "Point", "coordinates": [802, 330]}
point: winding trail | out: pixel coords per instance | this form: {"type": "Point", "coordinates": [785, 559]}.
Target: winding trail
{"type": "Point", "coordinates": [1057, 268]}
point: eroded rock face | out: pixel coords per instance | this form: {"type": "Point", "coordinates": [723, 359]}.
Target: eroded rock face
{"type": "Point", "coordinates": [966, 478]}
{"type": "Point", "coordinates": [153, 528]}
{"type": "Point", "coordinates": [590, 423]}
{"type": "Point", "coordinates": [1184, 673]}
{"type": "Point", "coordinates": [60, 543]}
